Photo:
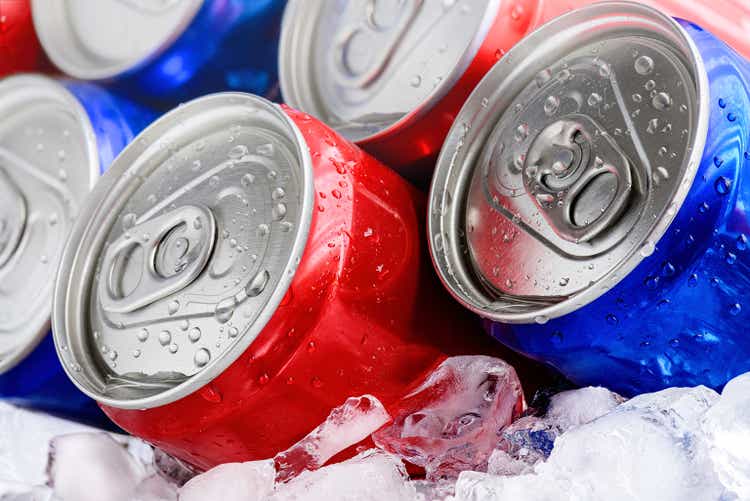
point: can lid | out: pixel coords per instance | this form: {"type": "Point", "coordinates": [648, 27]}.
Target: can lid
{"type": "Point", "coordinates": [569, 162]}
{"type": "Point", "coordinates": [105, 38]}
{"type": "Point", "coordinates": [48, 163]}
{"type": "Point", "coordinates": [367, 67]}
{"type": "Point", "coordinates": [184, 250]}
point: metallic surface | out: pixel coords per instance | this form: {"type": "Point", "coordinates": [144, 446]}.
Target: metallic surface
{"type": "Point", "coordinates": [207, 216]}
{"type": "Point", "coordinates": [674, 315]}
{"type": "Point", "coordinates": [363, 67]}
{"type": "Point", "coordinates": [412, 143]}
{"type": "Point", "coordinates": [166, 51]}
{"type": "Point", "coordinates": [53, 148]}
{"type": "Point", "coordinates": [359, 313]}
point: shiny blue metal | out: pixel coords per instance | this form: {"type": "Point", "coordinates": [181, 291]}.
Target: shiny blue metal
{"type": "Point", "coordinates": [681, 317]}
{"type": "Point", "coordinates": [231, 45]}
{"type": "Point", "coordinates": [39, 382]}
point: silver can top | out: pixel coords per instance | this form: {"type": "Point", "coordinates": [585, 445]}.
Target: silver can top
{"type": "Point", "coordinates": [48, 163]}
{"type": "Point", "coordinates": [569, 162]}
{"type": "Point", "coordinates": [183, 251]}
{"type": "Point", "coordinates": [105, 38]}
{"type": "Point", "coordinates": [365, 66]}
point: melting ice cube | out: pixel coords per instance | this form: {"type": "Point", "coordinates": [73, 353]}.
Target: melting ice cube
{"type": "Point", "coordinates": [93, 466]}
{"type": "Point", "coordinates": [450, 423]}
{"type": "Point", "coordinates": [345, 426]}
{"type": "Point", "coordinates": [647, 448]}
{"type": "Point", "coordinates": [252, 481]}
{"type": "Point", "coordinates": [727, 429]}
{"type": "Point", "coordinates": [371, 476]}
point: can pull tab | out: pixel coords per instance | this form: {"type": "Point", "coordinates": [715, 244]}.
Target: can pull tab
{"type": "Point", "coordinates": [156, 258]}
{"type": "Point", "coordinates": [578, 177]}
{"type": "Point", "coordinates": [362, 52]}
{"type": "Point", "coordinates": [13, 213]}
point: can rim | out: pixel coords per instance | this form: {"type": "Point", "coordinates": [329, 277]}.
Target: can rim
{"type": "Point", "coordinates": [453, 168]}
{"type": "Point", "coordinates": [47, 86]}
{"type": "Point", "coordinates": [295, 92]}
{"type": "Point", "coordinates": [51, 26]}
{"type": "Point", "coordinates": [71, 294]}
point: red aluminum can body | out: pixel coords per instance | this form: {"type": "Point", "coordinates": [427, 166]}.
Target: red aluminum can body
{"type": "Point", "coordinates": [411, 147]}
{"type": "Point", "coordinates": [20, 50]}
{"type": "Point", "coordinates": [364, 315]}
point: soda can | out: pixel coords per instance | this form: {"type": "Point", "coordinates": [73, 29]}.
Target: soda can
{"type": "Point", "coordinates": [167, 51]}
{"type": "Point", "coordinates": [393, 75]}
{"type": "Point", "coordinates": [20, 50]}
{"type": "Point", "coordinates": [238, 272]}
{"type": "Point", "coordinates": [589, 201]}
{"type": "Point", "coordinates": [53, 146]}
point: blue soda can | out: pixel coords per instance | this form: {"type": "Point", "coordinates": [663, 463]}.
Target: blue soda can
{"type": "Point", "coordinates": [590, 203]}
{"type": "Point", "coordinates": [163, 52]}
{"type": "Point", "coordinates": [56, 137]}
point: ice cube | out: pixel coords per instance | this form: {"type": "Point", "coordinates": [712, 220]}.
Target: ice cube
{"type": "Point", "coordinates": [252, 481]}
{"type": "Point", "coordinates": [155, 488]}
{"type": "Point", "coordinates": [345, 426]}
{"type": "Point", "coordinates": [172, 469]}
{"type": "Point", "coordinates": [450, 423]}
{"type": "Point", "coordinates": [573, 408]}
{"type": "Point", "coordinates": [24, 443]}
{"type": "Point", "coordinates": [434, 491]}
{"type": "Point", "coordinates": [727, 429]}
{"type": "Point", "coordinates": [93, 466]}
{"type": "Point", "coordinates": [14, 491]}
{"type": "Point", "coordinates": [370, 476]}
{"type": "Point", "coordinates": [647, 448]}
{"type": "Point", "coordinates": [521, 445]}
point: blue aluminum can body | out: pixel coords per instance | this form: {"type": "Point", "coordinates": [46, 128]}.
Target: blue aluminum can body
{"type": "Point", "coordinates": [230, 45]}
{"type": "Point", "coordinates": [680, 317]}
{"type": "Point", "coordinates": [39, 381]}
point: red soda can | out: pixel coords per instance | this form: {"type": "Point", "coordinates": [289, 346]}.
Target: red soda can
{"type": "Point", "coordinates": [240, 270]}
{"type": "Point", "coordinates": [392, 75]}
{"type": "Point", "coordinates": [20, 50]}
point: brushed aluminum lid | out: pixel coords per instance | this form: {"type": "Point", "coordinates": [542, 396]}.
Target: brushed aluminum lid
{"type": "Point", "coordinates": [367, 66]}
{"type": "Point", "coordinates": [183, 251]}
{"type": "Point", "coordinates": [104, 38]}
{"type": "Point", "coordinates": [569, 162]}
{"type": "Point", "coordinates": [48, 163]}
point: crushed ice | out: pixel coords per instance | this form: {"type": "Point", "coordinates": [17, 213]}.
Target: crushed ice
{"type": "Point", "coordinates": [464, 434]}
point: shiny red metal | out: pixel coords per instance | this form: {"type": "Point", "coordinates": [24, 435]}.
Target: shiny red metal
{"type": "Point", "coordinates": [411, 147]}
{"type": "Point", "coordinates": [20, 50]}
{"type": "Point", "coordinates": [364, 315]}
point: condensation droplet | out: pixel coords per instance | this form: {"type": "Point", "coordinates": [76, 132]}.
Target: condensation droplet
{"type": "Point", "coordinates": [202, 357]}
{"type": "Point", "coordinates": [644, 65]}
{"type": "Point", "coordinates": [165, 337]}
{"type": "Point", "coordinates": [662, 101]}
{"type": "Point", "coordinates": [551, 105]}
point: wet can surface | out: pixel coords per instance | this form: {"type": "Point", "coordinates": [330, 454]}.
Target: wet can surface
{"type": "Point", "coordinates": [246, 270]}
{"type": "Point", "coordinates": [384, 75]}
{"type": "Point", "coordinates": [589, 202]}
{"type": "Point", "coordinates": [53, 148]}
{"type": "Point", "coordinates": [167, 51]}
{"type": "Point", "coordinates": [20, 50]}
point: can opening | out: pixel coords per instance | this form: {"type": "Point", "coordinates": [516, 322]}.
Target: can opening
{"type": "Point", "coordinates": [569, 161]}
{"type": "Point", "coordinates": [187, 247]}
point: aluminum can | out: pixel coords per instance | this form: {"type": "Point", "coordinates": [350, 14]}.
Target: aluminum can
{"type": "Point", "coordinates": [20, 50]}
{"type": "Point", "coordinates": [590, 204]}
{"type": "Point", "coordinates": [241, 270]}
{"type": "Point", "coordinates": [163, 52]}
{"type": "Point", "coordinates": [393, 75]}
{"type": "Point", "coordinates": [52, 149]}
